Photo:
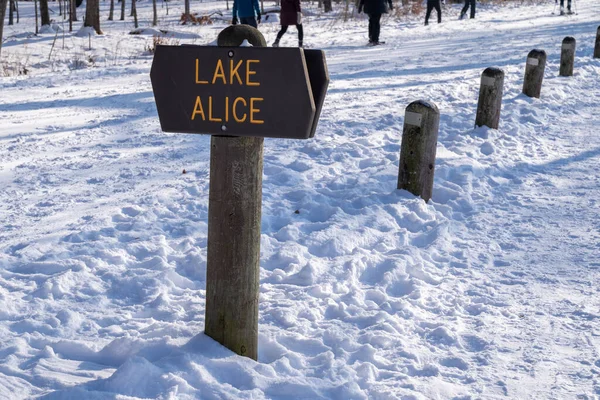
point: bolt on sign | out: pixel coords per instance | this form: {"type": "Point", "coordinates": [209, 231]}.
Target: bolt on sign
{"type": "Point", "coordinates": [239, 91]}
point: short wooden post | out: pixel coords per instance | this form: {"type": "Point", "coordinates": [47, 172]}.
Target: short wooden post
{"type": "Point", "coordinates": [567, 56]}
{"type": "Point", "coordinates": [534, 73]}
{"type": "Point", "coordinates": [417, 153]}
{"type": "Point", "coordinates": [597, 46]}
{"type": "Point", "coordinates": [234, 213]}
{"type": "Point", "coordinates": [490, 98]}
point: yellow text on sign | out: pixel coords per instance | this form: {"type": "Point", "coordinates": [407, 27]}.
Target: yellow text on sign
{"type": "Point", "coordinates": [239, 109]}
{"type": "Point", "coordinates": [229, 73]}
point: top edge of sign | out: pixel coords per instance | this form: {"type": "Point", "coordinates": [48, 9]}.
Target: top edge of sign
{"type": "Point", "coordinates": [245, 48]}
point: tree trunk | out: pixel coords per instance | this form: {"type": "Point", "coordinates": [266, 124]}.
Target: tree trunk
{"type": "Point", "coordinates": [11, 9]}
{"type": "Point", "coordinates": [111, 12]}
{"type": "Point", "coordinates": [35, 6]}
{"type": "Point", "coordinates": [3, 4]}
{"type": "Point", "coordinates": [73, 13]}
{"type": "Point", "coordinates": [154, 14]}
{"type": "Point", "coordinates": [327, 4]}
{"type": "Point", "coordinates": [134, 13]}
{"type": "Point", "coordinates": [44, 13]}
{"type": "Point", "coordinates": [187, 7]}
{"type": "Point", "coordinates": [92, 15]}
{"type": "Point", "coordinates": [122, 10]}
{"type": "Point", "coordinates": [59, 7]}
{"type": "Point", "coordinates": [346, 10]}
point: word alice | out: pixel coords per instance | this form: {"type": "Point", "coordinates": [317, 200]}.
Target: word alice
{"type": "Point", "coordinates": [238, 109]}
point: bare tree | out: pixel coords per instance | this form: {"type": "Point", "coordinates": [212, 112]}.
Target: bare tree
{"type": "Point", "coordinates": [112, 10]}
{"type": "Point", "coordinates": [134, 13]}
{"type": "Point", "coordinates": [3, 4]}
{"type": "Point", "coordinates": [44, 13]}
{"type": "Point", "coordinates": [73, 7]}
{"type": "Point", "coordinates": [36, 16]}
{"type": "Point", "coordinates": [187, 7]}
{"type": "Point", "coordinates": [346, 10]}
{"type": "Point", "coordinates": [122, 10]}
{"type": "Point", "coordinates": [327, 6]}
{"type": "Point", "coordinates": [154, 13]}
{"type": "Point", "coordinates": [11, 9]}
{"type": "Point", "coordinates": [92, 15]}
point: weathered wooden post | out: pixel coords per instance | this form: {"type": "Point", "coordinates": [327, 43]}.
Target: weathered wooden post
{"type": "Point", "coordinates": [490, 98]}
{"type": "Point", "coordinates": [597, 46]}
{"type": "Point", "coordinates": [248, 94]}
{"type": "Point", "coordinates": [417, 153]}
{"type": "Point", "coordinates": [567, 56]}
{"type": "Point", "coordinates": [234, 204]}
{"type": "Point", "coordinates": [534, 73]}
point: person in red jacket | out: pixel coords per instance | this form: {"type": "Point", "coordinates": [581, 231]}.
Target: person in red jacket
{"type": "Point", "coordinates": [291, 14]}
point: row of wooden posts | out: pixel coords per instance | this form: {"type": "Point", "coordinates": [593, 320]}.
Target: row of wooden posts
{"type": "Point", "coordinates": [422, 118]}
{"type": "Point", "coordinates": [232, 278]}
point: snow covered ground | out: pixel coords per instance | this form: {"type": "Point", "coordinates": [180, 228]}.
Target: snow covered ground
{"type": "Point", "coordinates": [491, 290]}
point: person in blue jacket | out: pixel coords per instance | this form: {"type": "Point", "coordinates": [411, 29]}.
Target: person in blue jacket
{"type": "Point", "coordinates": [248, 12]}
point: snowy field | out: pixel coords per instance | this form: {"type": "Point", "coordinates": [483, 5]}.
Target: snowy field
{"type": "Point", "coordinates": [489, 291]}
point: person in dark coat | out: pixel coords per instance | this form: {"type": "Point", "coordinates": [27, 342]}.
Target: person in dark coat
{"type": "Point", "coordinates": [431, 4]}
{"type": "Point", "coordinates": [374, 9]}
{"type": "Point", "coordinates": [291, 14]}
{"type": "Point", "coordinates": [562, 7]}
{"type": "Point", "coordinates": [468, 3]}
{"type": "Point", "coordinates": [248, 12]}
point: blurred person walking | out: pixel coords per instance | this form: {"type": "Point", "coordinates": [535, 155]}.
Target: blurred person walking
{"type": "Point", "coordinates": [291, 14]}
{"type": "Point", "coordinates": [375, 9]}
{"type": "Point", "coordinates": [562, 7]}
{"type": "Point", "coordinates": [468, 3]}
{"type": "Point", "coordinates": [431, 4]}
{"type": "Point", "coordinates": [248, 12]}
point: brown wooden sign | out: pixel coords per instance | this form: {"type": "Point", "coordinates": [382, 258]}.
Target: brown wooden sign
{"type": "Point", "coordinates": [239, 91]}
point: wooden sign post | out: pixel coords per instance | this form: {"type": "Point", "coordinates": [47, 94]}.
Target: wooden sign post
{"type": "Point", "coordinates": [240, 95]}
{"type": "Point", "coordinates": [234, 213]}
